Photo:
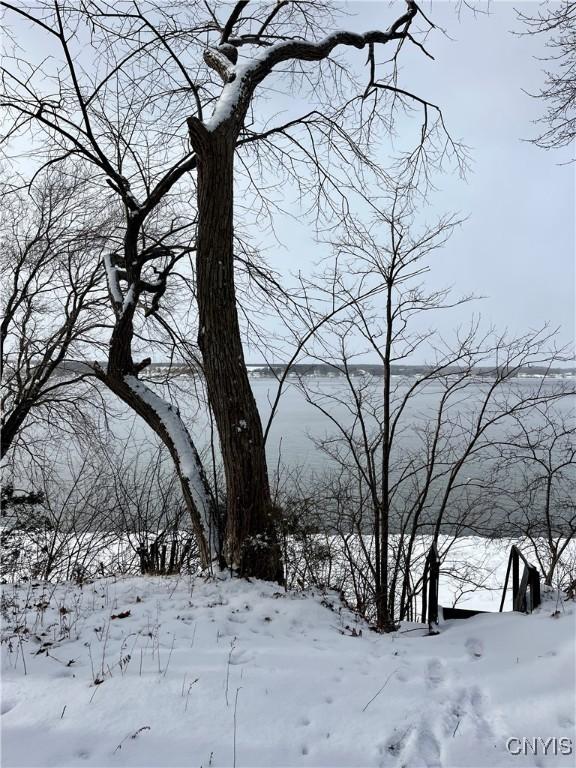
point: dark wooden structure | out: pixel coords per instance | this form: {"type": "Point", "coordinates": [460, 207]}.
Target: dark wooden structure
{"type": "Point", "coordinates": [430, 585]}
{"type": "Point", "coordinates": [525, 589]}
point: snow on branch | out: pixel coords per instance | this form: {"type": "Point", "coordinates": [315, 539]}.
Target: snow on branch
{"type": "Point", "coordinates": [241, 79]}
{"type": "Point", "coordinates": [189, 463]}
{"type": "Point", "coordinates": [121, 303]}
{"type": "Point", "coordinates": [113, 279]}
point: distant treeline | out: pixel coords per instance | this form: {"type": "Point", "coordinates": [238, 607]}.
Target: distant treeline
{"type": "Point", "coordinates": [331, 371]}
{"type": "Point", "coordinates": [370, 369]}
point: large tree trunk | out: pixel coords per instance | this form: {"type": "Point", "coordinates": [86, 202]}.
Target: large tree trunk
{"type": "Point", "coordinates": [251, 544]}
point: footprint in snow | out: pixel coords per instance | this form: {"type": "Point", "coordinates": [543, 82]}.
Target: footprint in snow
{"type": "Point", "coordinates": [417, 748]}
{"type": "Point", "coordinates": [457, 709]}
{"type": "Point", "coordinates": [474, 648]}
{"type": "Point", "coordinates": [479, 712]}
{"type": "Point", "coordinates": [434, 673]}
{"type": "Point", "coordinates": [403, 675]}
{"type": "Point", "coordinates": [467, 708]}
{"type": "Point", "coordinates": [429, 748]}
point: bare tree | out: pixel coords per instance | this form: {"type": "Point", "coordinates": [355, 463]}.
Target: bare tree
{"type": "Point", "coordinates": [412, 474]}
{"type": "Point", "coordinates": [557, 23]}
{"type": "Point", "coordinates": [96, 510]}
{"type": "Point", "coordinates": [63, 534]}
{"type": "Point", "coordinates": [54, 300]}
{"type": "Point", "coordinates": [540, 453]}
{"type": "Point", "coordinates": [160, 67]}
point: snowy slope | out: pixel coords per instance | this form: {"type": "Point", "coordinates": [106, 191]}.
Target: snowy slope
{"type": "Point", "coordinates": [228, 672]}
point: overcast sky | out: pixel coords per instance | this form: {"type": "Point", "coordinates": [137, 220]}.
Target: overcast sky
{"type": "Point", "coordinates": [517, 247]}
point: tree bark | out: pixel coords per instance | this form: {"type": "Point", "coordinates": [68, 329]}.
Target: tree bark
{"type": "Point", "coordinates": [251, 544]}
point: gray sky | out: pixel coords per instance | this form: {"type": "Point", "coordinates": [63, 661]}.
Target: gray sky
{"type": "Point", "coordinates": [517, 247]}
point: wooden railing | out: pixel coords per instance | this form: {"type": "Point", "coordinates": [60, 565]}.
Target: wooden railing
{"type": "Point", "coordinates": [525, 589]}
{"type": "Point", "coordinates": [430, 585]}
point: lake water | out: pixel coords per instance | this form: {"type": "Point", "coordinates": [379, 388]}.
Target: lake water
{"type": "Point", "coordinates": [298, 424]}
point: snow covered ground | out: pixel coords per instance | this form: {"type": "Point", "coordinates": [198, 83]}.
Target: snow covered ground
{"type": "Point", "coordinates": [154, 671]}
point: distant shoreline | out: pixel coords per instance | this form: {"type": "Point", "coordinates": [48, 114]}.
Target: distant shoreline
{"type": "Point", "coordinates": [318, 370]}
{"type": "Point", "coordinates": [331, 371]}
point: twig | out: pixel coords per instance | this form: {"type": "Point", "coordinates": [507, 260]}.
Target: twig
{"type": "Point", "coordinates": [22, 654]}
{"type": "Point", "coordinates": [132, 736]}
{"type": "Point", "coordinates": [380, 691]}
{"type": "Point", "coordinates": [169, 655]}
{"type": "Point", "coordinates": [232, 645]}
{"type": "Point", "coordinates": [91, 661]}
{"type": "Point", "coordinates": [235, 708]}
